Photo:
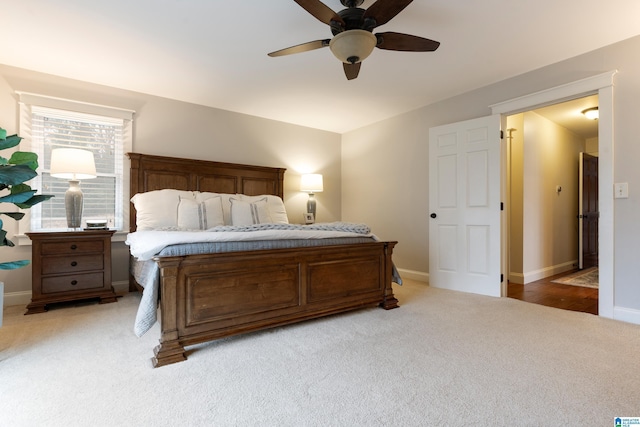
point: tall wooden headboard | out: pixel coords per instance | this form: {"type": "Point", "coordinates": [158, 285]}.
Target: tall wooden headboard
{"type": "Point", "coordinates": [150, 173]}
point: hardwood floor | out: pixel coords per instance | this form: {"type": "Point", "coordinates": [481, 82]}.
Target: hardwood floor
{"type": "Point", "coordinates": [567, 297]}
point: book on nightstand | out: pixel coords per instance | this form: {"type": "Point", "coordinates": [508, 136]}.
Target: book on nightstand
{"type": "Point", "coordinates": [96, 224]}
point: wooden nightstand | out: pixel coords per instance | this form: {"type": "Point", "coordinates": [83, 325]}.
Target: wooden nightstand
{"type": "Point", "coordinates": [70, 265]}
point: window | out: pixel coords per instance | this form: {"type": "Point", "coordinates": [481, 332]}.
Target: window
{"type": "Point", "coordinates": [49, 123]}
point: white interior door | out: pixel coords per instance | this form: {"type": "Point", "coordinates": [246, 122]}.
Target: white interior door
{"type": "Point", "coordinates": [464, 204]}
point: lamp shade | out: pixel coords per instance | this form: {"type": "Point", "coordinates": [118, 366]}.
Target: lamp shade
{"type": "Point", "coordinates": [311, 183]}
{"type": "Point", "coordinates": [72, 163]}
{"type": "Point", "coordinates": [353, 46]}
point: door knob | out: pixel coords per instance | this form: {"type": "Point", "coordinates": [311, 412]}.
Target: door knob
{"type": "Point", "coordinates": [433, 215]}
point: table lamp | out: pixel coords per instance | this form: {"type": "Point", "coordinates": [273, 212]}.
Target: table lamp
{"type": "Point", "coordinates": [73, 164]}
{"type": "Point", "coordinates": [311, 183]}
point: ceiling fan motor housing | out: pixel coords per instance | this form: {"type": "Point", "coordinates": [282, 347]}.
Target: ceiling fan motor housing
{"type": "Point", "coordinates": [354, 19]}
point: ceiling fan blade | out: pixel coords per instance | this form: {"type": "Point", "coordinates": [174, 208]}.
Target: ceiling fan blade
{"type": "Point", "coordinates": [304, 47]}
{"type": "Point", "coordinates": [405, 42]}
{"type": "Point", "coordinates": [320, 10]}
{"type": "Point", "coordinates": [383, 11]}
{"type": "Point", "coordinates": [351, 70]}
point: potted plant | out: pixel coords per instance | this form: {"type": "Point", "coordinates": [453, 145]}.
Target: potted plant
{"type": "Point", "coordinates": [14, 172]}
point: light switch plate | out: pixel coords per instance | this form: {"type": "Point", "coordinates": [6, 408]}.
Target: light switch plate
{"type": "Point", "coordinates": [621, 190]}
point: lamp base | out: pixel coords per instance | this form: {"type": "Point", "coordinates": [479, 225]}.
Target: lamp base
{"type": "Point", "coordinates": [73, 203]}
{"type": "Point", "coordinates": [311, 204]}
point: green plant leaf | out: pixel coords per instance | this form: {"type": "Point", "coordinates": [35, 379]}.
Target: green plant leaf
{"type": "Point", "coordinates": [22, 193]}
{"type": "Point", "coordinates": [38, 198]}
{"type": "Point", "coordinates": [12, 265]}
{"type": "Point", "coordinates": [3, 239]}
{"type": "Point", "coordinates": [18, 198]}
{"type": "Point", "coordinates": [20, 188]}
{"type": "Point", "coordinates": [10, 142]}
{"type": "Point", "coordinates": [24, 158]}
{"type": "Point", "coordinates": [15, 215]}
{"type": "Point", "coordinates": [16, 174]}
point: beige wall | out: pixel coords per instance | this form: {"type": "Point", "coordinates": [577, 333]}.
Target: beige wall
{"type": "Point", "coordinates": [515, 126]}
{"type": "Point", "coordinates": [549, 223]}
{"type": "Point", "coordinates": [174, 128]}
{"type": "Point", "coordinates": [385, 185]}
{"type": "Point", "coordinates": [591, 146]}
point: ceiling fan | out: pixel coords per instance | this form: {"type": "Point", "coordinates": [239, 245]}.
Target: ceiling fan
{"type": "Point", "coordinates": [353, 39]}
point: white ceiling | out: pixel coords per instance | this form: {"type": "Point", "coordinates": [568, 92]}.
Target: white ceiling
{"type": "Point", "coordinates": [214, 53]}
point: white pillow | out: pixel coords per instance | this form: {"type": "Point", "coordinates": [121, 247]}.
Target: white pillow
{"type": "Point", "coordinates": [275, 205]}
{"type": "Point", "coordinates": [194, 215]}
{"type": "Point", "coordinates": [249, 213]}
{"type": "Point", "coordinates": [159, 208]}
{"type": "Point", "coordinates": [226, 204]}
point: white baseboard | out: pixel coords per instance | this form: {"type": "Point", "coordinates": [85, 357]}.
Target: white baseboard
{"type": "Point", "coordinates": [532, 276]}
{"type": "Point", "coordinates": [516, 278]}
{"type": "Point", "coordinates": [629, 315]}
{"type": "Point", "coordinates": [17, 298]}
{"type": "Point", "coordinates": [121, 287]}
{"type": "Point", "coordinates": [420, 276]}
{"type": "Point", "coordinates": [24, 297]}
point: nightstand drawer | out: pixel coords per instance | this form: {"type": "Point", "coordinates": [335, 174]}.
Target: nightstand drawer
{"type": "Point", "coordinates": [70, 247]}
{"type": "Point", "coordinates": [55, 265]}
{"type": "Point", "coordinates": [72, 282]}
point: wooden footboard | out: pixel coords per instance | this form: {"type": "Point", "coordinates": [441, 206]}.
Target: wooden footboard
{"type": "Point", "coordinates": [205, 297]}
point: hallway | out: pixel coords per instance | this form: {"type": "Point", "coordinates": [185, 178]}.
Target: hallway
{"type": "Point", "coordinates": [566, 297]}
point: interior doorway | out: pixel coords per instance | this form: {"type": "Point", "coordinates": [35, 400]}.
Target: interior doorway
{"type": "Point", "coordinates": [602, 85]}
{"type": "Point", "coordinates": [552, 197]}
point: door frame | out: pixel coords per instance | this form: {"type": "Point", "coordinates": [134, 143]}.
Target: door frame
{"type": "Point", "coordinates": [601, 84]}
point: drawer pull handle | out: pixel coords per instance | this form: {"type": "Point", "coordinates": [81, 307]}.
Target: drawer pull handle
{"type": "Point", "coordinates": [74, 282]}
{"type": "Point", "coordinates": [74, 247]}
{"type": "Point", "coordinates": [73, 263]}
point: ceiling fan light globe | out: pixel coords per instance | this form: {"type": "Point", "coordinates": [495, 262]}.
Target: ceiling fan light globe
{"type": "Point", "coordinates": [353, 45]}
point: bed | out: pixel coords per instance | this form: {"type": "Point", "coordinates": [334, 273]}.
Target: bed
{"type": "Point", "coordinates": [205, 295]}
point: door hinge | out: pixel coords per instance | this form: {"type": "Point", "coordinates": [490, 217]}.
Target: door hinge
{"type": "Point", "coordinates": [501, 278]}
{"type": "Point", "coordinates": [501, 134]}
{"type": "Point", "coordinates": [501, 206]}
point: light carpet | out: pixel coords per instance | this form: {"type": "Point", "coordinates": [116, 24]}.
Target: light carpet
{"type": "Point", "coordinates": [442, 359]}
{"type": "Point", "coordinates": [588, 278]}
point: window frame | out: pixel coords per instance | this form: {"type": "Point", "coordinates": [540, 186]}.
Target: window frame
{"type": "Point", "coordinates": [27, 100]}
